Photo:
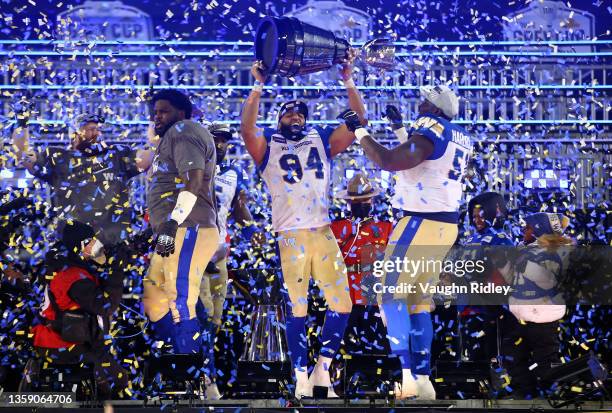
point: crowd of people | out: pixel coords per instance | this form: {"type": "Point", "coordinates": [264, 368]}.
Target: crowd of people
{"type": "Point", "coordinates": [196, 200]}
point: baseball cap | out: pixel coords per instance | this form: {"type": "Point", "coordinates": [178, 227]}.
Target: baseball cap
{"type": "Point", "coordinates": [222, 130]}
{"type": "Point", "coordinates": [293, 106]}
{"type": "Point", "coordinates": [442, 97]}
{"type": "Point", "coordinates": [85, 118]}
{"type": "Point", "coordinates": [544, 223]}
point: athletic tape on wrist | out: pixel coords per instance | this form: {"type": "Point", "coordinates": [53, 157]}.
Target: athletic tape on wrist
{"type": "Point", "coordinates": [184, 204]}
{"type": "Point", "coordinates": [402, 134]}
{"type": "Point", "coordinates": [360, 133]}
{"type": "Point", "coordinates": [258, 86]}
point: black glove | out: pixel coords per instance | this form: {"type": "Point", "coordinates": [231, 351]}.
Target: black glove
{"type": "Point", "coordinates": [351, 119]}
{"type": "Point", "coordinates": [395, 117]}
{"type": "Point", "coordinates": [166, 238]}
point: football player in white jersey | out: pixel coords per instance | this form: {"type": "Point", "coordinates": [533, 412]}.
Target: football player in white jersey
{"type": "Point", "coordinates": [231, 183]}
{"type": "Point", "coordinates": [295, 164]}
{"type": "Point", "coordinates": [430, 163]}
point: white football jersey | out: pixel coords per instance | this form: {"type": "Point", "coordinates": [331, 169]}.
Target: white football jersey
{"type": "Point", "coordinates": [297, 175]}
{"type": "Point", "coordinates": [229, 181]}
{"type": "Point", "coordinates": [436, 184]}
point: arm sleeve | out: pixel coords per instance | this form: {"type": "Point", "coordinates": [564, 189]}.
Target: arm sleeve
{"type": "Point", "coordinates": [191, 153]}
{"type": "Point", "coordinates": [433, 130]}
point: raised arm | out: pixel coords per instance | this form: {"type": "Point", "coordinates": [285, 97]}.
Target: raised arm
{"type": "Point", "coordinates": [254, 141]}
{"type": "Point", "coordinates": [144, 156]}
{"type": "Point", "coordinates": [405, 156]}
{"type": "Point", "coordinates": [394, 116]}
{"type": "Point", "coordinates": [21, 145]}
{"type": "Point", "coordinates": [342, 138]}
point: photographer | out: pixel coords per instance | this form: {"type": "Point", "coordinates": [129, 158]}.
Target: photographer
{"type": "Point", "coordinates": [79, 300]}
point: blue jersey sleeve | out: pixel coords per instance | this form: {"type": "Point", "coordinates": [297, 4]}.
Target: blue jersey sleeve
{"type": "Point", "coordinates": [242, 182]}
{"type": "Point", "coordinates": [243, 179]}
{"type": "Point", "coordinates": [433, 129]}
{"type": "Point", "coordinates": [325, 133]}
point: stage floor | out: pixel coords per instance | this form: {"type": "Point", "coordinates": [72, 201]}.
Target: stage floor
{"type": "Point", "coordinates": [378, 405]}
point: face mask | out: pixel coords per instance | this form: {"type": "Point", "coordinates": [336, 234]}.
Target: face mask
{"type": "Point", "coordinates": [361, 209]}
{"type": "Point", "coordinates": [294, 131]}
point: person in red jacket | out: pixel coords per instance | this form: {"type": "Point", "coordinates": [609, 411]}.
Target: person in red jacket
{"type": "Point", "coordinates": [75, 283]}
{"type": "Point", "coordinates": [362, 240]}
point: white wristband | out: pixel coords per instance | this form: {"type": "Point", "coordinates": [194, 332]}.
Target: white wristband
{"type": "Point", "coordinates": [258, 86]}
{"type": "Point", "coordinates": [402, 134]}
{"type": "Point", "coordinates": [360, 133]}
{"type": "Point", "coordinates": [184, 204]}
{"type": "Point", "coordinates": [349, 83]}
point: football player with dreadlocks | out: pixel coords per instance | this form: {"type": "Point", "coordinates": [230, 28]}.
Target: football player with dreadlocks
{"type": "Point", "coordinates": [294, 161]}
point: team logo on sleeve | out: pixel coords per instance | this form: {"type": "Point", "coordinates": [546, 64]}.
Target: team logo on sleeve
{"type": "Point", "coordinates": [431, 124]}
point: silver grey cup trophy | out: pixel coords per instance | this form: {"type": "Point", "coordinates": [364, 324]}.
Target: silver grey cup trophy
{"type": "Point", "coordinates": [289, 47]}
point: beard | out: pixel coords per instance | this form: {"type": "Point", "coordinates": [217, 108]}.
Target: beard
{"type": "Point", "coordinates": [295, 131]}
{"type": "Point", "coordinates": [160, 131]}
{"type": "Point", "coordinates": [84, 144]}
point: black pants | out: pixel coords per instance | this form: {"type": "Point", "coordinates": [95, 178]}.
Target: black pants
{"type": "Point", "coordinates": [479, 334]}
{"type": "Point", "coordinates": [365, 332]}
{"type": "Point", "coordinates": [110, 377]}
{"type": "Point", "coordinates": [528, 350]}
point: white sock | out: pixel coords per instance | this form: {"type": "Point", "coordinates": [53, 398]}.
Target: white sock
{"type": "Point", "coordinates": [301, 374]}
{"type": "Point", "coordinates": [407, 374]}
{"type": "Point", "coordinates": [323, 363]}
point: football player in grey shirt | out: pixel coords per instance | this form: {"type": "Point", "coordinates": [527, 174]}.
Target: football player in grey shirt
{"type": "Point", "coordinates": [182, 211]}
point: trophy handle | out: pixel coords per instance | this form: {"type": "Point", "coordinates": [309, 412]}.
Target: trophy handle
{"type": "Point", "coordinates": [341, 51]}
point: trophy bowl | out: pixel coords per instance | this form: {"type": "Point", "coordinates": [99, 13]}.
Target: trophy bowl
{"type": "Point", "coordinates": [289, 47]}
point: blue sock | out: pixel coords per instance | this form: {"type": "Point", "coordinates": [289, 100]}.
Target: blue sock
{"type": "Point", "coordinates": [420, 340]}
{"type": "Point", "coordinates": [332, 333]}
{"type": "Point", "coordinates": [398, 330]}
{"type": "Point", "coordinates": [296, 339]}
{"type": "Point", "coordinates": [184, 341]}
{"type": "Point", "coordinates": [164, 329]}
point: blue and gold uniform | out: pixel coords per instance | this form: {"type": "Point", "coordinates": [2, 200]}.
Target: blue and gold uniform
{"type": "Point", "coordinates": [297, 175]}
{"type": "Point", "coordinates": [427, 199]}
